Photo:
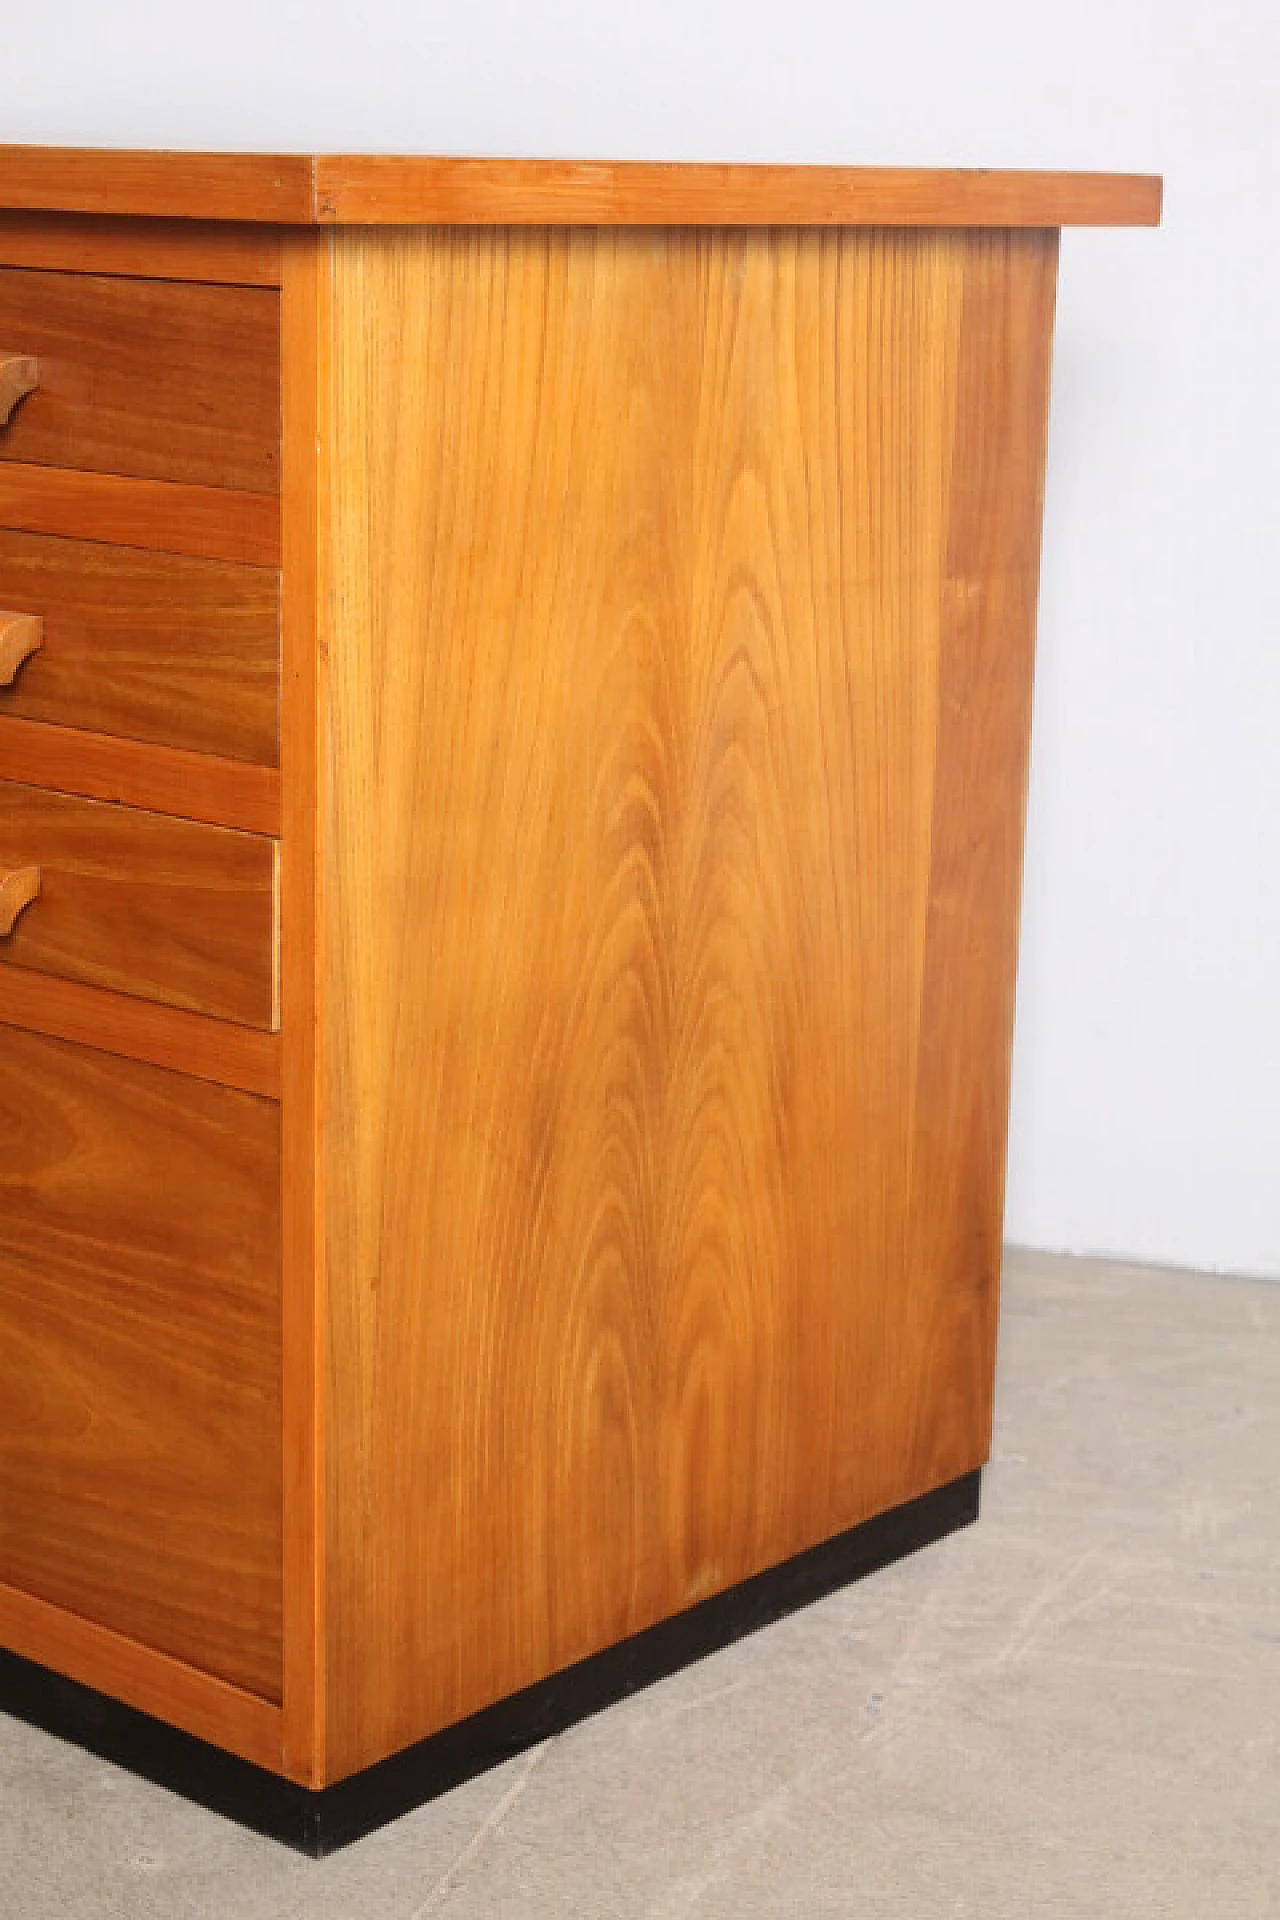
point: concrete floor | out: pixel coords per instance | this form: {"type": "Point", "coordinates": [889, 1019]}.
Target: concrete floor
{"type": "Point", "coordinates": [1071, 1709]}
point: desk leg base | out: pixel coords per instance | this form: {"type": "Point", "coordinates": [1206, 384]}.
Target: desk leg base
{"type": "Point", "coordinates": [318, 1823]}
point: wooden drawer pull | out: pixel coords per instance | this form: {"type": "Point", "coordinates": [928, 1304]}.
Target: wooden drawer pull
{"type": "Point", "coordinates": [21, 635]}
{"type": "Point", "coordinates": [19, 886]}
{"type": "Point", "coordinates": [19, 376]}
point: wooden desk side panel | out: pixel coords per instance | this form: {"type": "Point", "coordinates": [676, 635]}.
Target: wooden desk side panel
{"type": "Point", "coordinates": [678, 704]}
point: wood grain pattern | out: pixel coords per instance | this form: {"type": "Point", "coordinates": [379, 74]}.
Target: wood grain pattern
{"type": "Point", "coordinates": [215, 1050]}
{"type": "Point", "coordinates": [950, 1293]}
{"type": "Point", "coordinates": [140, 1354]}
{"type": "Point", "coordinates": [183, 186]}
{"type": "Point", "coordinates": [152, 646]}
{"type": "Point", "coordinates": [153, 1682]}
{"type": "Point", "coordinates": [225, 254]}
{"type": "Point", "coordinates": [162, 909]}
{"type": "Point", "coordinates": [212, 523]}
{"type": "Point", "coordinates": [410, 190]}
{"type": "Point", "coordinates": [305, 310]}
{"type": "Point", "coordinates": [441, 190]}
{"type": "Point", "coordinates": [682, 633]}
{"type": "Point", "coordinates": [191, 786]}
{"type": "Point", "coordinates": [152, 378]}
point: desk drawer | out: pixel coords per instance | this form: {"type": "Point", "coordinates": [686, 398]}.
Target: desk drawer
{"type": "Point", "coordinates": [163, 909]}
{"type": "Point", "coordinates": [149, 646]}
{"type": "Point", "coordinates": [154, 378]}
{"type": "Point", "coordinates": [140, 1353]}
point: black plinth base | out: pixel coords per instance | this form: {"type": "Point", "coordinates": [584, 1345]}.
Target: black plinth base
{"type": "Point", "coordinates": [319, 1823]}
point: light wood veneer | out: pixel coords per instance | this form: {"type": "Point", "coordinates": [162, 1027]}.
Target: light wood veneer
{"type": "Point", "coordinates": [419, 190]}
{"type": "Point", "coordinates": [672, 891]}
{"type": "Point", "coordinates": [558, 640]}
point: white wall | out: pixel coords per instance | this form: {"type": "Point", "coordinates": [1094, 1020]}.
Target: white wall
{"type": "Point", "coordinates": [1146, 1116]}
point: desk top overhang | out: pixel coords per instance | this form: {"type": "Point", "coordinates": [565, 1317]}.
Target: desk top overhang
{"type": "Point", "coordinates": [405, 190]}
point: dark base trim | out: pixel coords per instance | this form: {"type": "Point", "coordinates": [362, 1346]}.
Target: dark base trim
{"type": "Point", "coordinates": [318, 1823]}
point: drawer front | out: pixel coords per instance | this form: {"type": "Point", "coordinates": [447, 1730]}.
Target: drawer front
{"type": "Point", "coordinates": [154, 378]}
{"type": "Point", "coordinates": [163, 909]}
{"type": "Point", "coordinates": [140, 1354]}
{"type": "Point", "coordinates": [150, 646]}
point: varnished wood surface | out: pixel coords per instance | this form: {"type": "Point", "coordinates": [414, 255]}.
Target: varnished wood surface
{"type": "Point", "coordinates": [243, 256]}
{"type": "Point", "coordinates": [682, 634]}
{"type": "Point", "coordinates": [159, 185]}
{"type": "Point", "coordinates": [140, 1354]}
{"type": "Point", "coordinates": [153, 1682]}
{"type": "Point", "coordinates": [191, 786]}
{"type": "Point", "coordinates": [435, 189]}
{"type": "Point", "coordinates": [618, 1209]}
{"type": "Point", "coordinates": [153, 378]}
{"type": "Point", "coordinates": [389, 190]}
{"type": "Point", "coordinates": [215, 1050]}
{"type": "Point", "coordinates": [161, 909]}
{"type": "Point", "coordinates": [307, 400]}
{"type": "Point", "coordinates": [152, 646]}
{"type": "Point", "coordinates": [949, 1299]}
{"type": "Point", "coordinates": [212, 523]}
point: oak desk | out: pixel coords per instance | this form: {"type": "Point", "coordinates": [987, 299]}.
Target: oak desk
{"type": "Point", "coordinates": [515, 684]}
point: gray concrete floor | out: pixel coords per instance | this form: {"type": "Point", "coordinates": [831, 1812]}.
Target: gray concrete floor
{"type": "Point", "coordinates": [1072, 1708]}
